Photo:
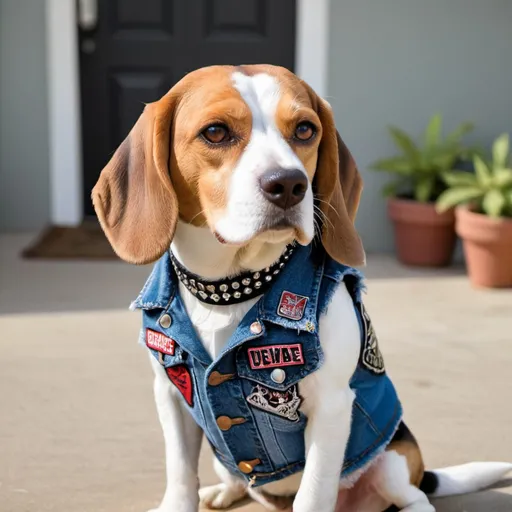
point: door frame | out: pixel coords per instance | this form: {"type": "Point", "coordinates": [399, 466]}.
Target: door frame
{"type": "Point", "coordinates": [63, 86]}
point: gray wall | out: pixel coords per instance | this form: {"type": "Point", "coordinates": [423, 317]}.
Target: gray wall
{"type": "Point", "coordinates": [398, 62]}
{"type": "Point", "coordinates": [24, 164]}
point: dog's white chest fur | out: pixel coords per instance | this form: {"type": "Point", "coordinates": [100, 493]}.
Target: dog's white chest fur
{"type": "Point", "coordinates": [214, 324]}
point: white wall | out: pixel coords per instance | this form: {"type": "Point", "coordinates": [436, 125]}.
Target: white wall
{"type": "Point", "coordinates": [24, 165]}
{"type": "Point", "coordinates": [399, 61]}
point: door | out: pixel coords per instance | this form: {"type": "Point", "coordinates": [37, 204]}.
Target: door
{"type": "Point", "coordinates": [137, 50]}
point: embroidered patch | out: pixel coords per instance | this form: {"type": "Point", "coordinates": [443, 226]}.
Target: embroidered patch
{"type": "Point", "coordinates": [292, 306]}
{"type": "Point", "coordinates": [371, 356]}
{"type": "Point", "coordinates": [281, 403]}
{"type": "Point", "coordinates": [275, 355]}
{"type": "Point", "coordinates": [181, 378]}
{"type": "Point", "coordinates": [160, 342]}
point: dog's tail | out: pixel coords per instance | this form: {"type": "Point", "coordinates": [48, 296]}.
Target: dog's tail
{"type": "Point", "coordinates": [463, 479]}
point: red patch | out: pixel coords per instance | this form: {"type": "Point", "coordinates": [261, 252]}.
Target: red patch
{"type": "Point", "coordinates": [292, 306]}
{"type": "Point", "coordinates": [273, 356]}
{"type": "Point", "coordinates": [160, 342]}
{"type": "Point", "coordinates": [181, 378]}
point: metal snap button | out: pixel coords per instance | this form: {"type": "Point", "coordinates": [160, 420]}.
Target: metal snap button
{"type": "Point", "coordinates": [256, 328]}
{"type": "Point", "coordinates": [278, 375]}
{"type": "Point", "coordinates": [165, 321]}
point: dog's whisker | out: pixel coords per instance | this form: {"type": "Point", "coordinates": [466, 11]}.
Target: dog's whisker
{"type": "Point", "coordinates": [197, 215]}
{"type": "Point", "coordinates": [323, 217]}
{"type": "Point", "coordinates": [329, 205]}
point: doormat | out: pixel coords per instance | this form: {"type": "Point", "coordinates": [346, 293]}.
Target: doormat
{"type": "Point", "coordinates": [84, 242]}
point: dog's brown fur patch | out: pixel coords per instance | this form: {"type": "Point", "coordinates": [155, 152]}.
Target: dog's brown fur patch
{"type": "Point", "coordinates": [405, 444]}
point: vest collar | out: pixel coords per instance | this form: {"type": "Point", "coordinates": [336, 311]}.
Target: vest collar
{"type": "Point", "coordinates": [291, 302]}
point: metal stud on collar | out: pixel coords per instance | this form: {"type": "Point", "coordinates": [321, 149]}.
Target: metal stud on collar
{"type": "Point", "coordinates": [231, 290]}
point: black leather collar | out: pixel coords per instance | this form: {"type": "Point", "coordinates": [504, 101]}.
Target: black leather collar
{"type": "Point", "coordinates": [233, 290]}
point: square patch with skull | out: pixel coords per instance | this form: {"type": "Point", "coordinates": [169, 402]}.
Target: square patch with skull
{"type": "Point", "coordinates": [281, 403]}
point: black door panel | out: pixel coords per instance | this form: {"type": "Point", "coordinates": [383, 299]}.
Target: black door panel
{"type": "Point", "coordinates": [140, 49]}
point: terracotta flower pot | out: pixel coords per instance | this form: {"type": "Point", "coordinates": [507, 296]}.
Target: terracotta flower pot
{"type": "Point", "coordinates": [423, 237]}
{"type": "Point", "coordinates": [487, 246]}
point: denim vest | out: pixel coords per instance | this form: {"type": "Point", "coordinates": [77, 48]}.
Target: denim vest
{"type": "Point", "coordinates": [247, 400]}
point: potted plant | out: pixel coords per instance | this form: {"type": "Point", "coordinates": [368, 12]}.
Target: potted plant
{"type": "Point", "coordinates": [484, 215]}
{"type": "Point", "coordinates": [423, 236]}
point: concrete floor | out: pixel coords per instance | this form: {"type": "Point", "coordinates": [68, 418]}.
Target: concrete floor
{"type": "Point", "coordinates": [78, 430]}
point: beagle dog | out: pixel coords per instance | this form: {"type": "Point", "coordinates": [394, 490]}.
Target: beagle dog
{"type": "Point", "coordinates": [238, 185]}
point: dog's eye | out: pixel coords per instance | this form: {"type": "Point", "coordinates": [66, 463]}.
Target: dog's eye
{"type": "Point", "coordinates": [216, 133]}
{"type": "Point", "coordinates": [305, 131]}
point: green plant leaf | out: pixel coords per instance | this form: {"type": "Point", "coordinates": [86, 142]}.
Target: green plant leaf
{"type": "Point", "coordinates": [500, 150]}
{"type": "Point", "coordinates": [493, 203]}
{"type": "Point", "coordinates": [398, 165]}
{"type": "Point", "coordinates": [468, 153]}
{"type": "Point", "coordinates": [404, 142]}
{"type": "Point", "coordinates": [508, 195]}
{"type": "Point", "coordinates": [483, 174]}
{"type": "Point", "coordinates": [433, 131]}
{"type": "Point", "coordinates": [390, 189]}
{"type": "Point", "coordinates": [423, 189]}
{"type": "Point", "coordinates": [456, 178]}
{"type": "Point", "coordinates": [458, 195]}
{"type": "Point", "coordinates": [444, 162]}
{"type": "Point", "coordinates": [461, 130]}
{"type": "Point", "coordinates": [502, 178]}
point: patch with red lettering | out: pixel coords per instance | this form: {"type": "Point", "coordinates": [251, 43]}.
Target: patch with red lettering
{"type": "Point", "coordinates": [272, 356]}
{"type": "Point", "coordinates": [160, 342]}
{"type": "Point", "coordinates": [292, 306]}
{"type": "Point", "coordinates": [181, 378]}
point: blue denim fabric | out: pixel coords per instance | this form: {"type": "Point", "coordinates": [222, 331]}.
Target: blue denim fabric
{"type": "Point", "coordinates": [277, 442]}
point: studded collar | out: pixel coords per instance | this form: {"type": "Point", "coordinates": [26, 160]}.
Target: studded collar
{"type": "Point", "coordinates": [232, 290]}
{"type": "Point", "coordinates": [301, 276]}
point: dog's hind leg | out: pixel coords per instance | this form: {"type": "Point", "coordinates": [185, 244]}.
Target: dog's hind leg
{"type": "Point", "coordinates": [223, 495]}
{"type": "Point", "coordinates": [391, 479]}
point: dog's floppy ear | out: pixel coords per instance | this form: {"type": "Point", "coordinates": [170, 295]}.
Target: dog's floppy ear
{"type": "Point", "coordinates": [338, 186]}
{"type": "Point", "coordinates": [134, 199]}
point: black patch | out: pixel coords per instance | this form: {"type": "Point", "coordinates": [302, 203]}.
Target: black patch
{"type": "Point", "coordinates": [371, 357]}
{"type": "Point", "coordinates": [429, 483]}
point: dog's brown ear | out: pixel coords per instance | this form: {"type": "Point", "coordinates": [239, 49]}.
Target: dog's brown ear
{"type": "Point", "coordinates": [134, 199]}
{"type": "Point", "coordinates": [338, 186]}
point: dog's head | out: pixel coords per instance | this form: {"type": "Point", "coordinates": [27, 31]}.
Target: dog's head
{"type": "Point", "coordinates": [252, 152]}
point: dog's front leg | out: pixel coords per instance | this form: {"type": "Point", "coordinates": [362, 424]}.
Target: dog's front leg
{"type": "Point", "coordinates": [182, 439]}
{"type": "Point", "coordinates": [328, 404]}
{"type": "Point", "coordinates": [326, 439]}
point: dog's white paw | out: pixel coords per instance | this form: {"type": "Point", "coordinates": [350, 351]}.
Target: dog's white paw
{"type": "Point", "coordinates": [220, 496]}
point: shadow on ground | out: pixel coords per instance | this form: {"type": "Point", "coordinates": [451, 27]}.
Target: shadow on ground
{"type": "Point", "coordinates": [485, 501]}
{"type": "Point", "coordinates": [45, 286]}
{"type": "Point", "coordinates": [42, 286]}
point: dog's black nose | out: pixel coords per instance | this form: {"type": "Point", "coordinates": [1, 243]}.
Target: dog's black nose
{"type": "Point", "coordinates": [284, 187]}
